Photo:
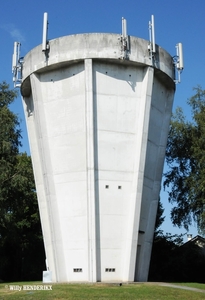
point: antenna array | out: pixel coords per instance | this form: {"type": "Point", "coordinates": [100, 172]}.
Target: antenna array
{"type": "Point", "coordinates": [178, 59]}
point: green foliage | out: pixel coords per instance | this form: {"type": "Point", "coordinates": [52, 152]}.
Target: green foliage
{"type": "Point", "coordinates": [21, 245]}
{"type": "Point", "coordinates": [185, 157]}
{"type": "Point", "coordinates": [9, 139]}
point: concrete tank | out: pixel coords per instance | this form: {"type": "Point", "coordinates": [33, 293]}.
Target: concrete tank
{"type": "Point", "coordinates": [97, 127]}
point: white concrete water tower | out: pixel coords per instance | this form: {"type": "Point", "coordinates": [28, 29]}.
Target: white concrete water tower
{"type": "Point", "coordinates": [98, 108]}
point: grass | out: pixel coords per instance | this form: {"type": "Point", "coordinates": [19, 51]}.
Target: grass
{"type": "Point", "coordinates": [138, 291]}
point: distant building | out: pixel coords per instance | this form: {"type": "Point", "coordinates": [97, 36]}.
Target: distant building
{"type": "Point", "coordinates": [196, 241]}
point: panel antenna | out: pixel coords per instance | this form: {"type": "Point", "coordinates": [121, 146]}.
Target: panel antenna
{"type": "Point", "coordinates": [45, 32]}
{"type": "Point", "coordinates": [178, 62]}
{"type": "Point", "coordinates": [152, 47]}
{"type": "Point", "coordinates": [124, 28]}
{"type": "Point", "coordinates": [17, 65]}
{"type": "Point", "coordinates": [124, 40]}
{"type": "Point", "coordinates": [15, 55]}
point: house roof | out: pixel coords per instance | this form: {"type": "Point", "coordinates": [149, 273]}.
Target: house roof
{"type": "Point", "coordinates": [197, 240]}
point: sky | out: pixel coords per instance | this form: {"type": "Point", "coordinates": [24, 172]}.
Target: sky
{"type": "Point", "coordinates": [175, 21]}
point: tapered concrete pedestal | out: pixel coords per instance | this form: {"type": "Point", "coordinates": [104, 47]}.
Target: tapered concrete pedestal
{"type": "Point", "coordinates": [97, 129]}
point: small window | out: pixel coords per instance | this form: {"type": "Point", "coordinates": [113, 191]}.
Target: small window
{"type": "Point", "coordinates": [107, 186]}
{"type": "Point", "coordinates": [109, 270]}
{"type": "Point", "coordinates": [119, 187]}
{"type": "Point", "coordinates": [77, 270]}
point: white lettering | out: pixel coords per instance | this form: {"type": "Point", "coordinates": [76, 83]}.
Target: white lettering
{"type": "Point", "coordinates": [35, 287]}
{"type": "Point", "coordinates": [15, 288]}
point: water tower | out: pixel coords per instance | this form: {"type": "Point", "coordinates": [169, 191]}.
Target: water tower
{"type": "Point", "coordinates": [97, 108]}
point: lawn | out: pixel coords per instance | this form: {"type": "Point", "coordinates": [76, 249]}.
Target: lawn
{"type": "Point", "coordinates": [138, 291]}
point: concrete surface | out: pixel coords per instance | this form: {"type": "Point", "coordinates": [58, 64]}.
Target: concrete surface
{"type": "Point", "coordinates": [97, 127]}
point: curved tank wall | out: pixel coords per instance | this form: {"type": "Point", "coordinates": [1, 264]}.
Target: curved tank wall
{"type": "Point", "coordinates": [97, 127]}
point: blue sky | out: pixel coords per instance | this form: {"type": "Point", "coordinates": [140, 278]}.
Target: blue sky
{"type": "Point", "coordinates": [175, 21]}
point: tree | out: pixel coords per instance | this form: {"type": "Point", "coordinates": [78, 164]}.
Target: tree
{"type": "Point", "coordinates": [21, 244]}
{"type": "Point", "coordinates": [185, 157]}
{"type": "Point", "coordinates": [9, 140]}
{"type": "Point", "coordinates": [159, 219]}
